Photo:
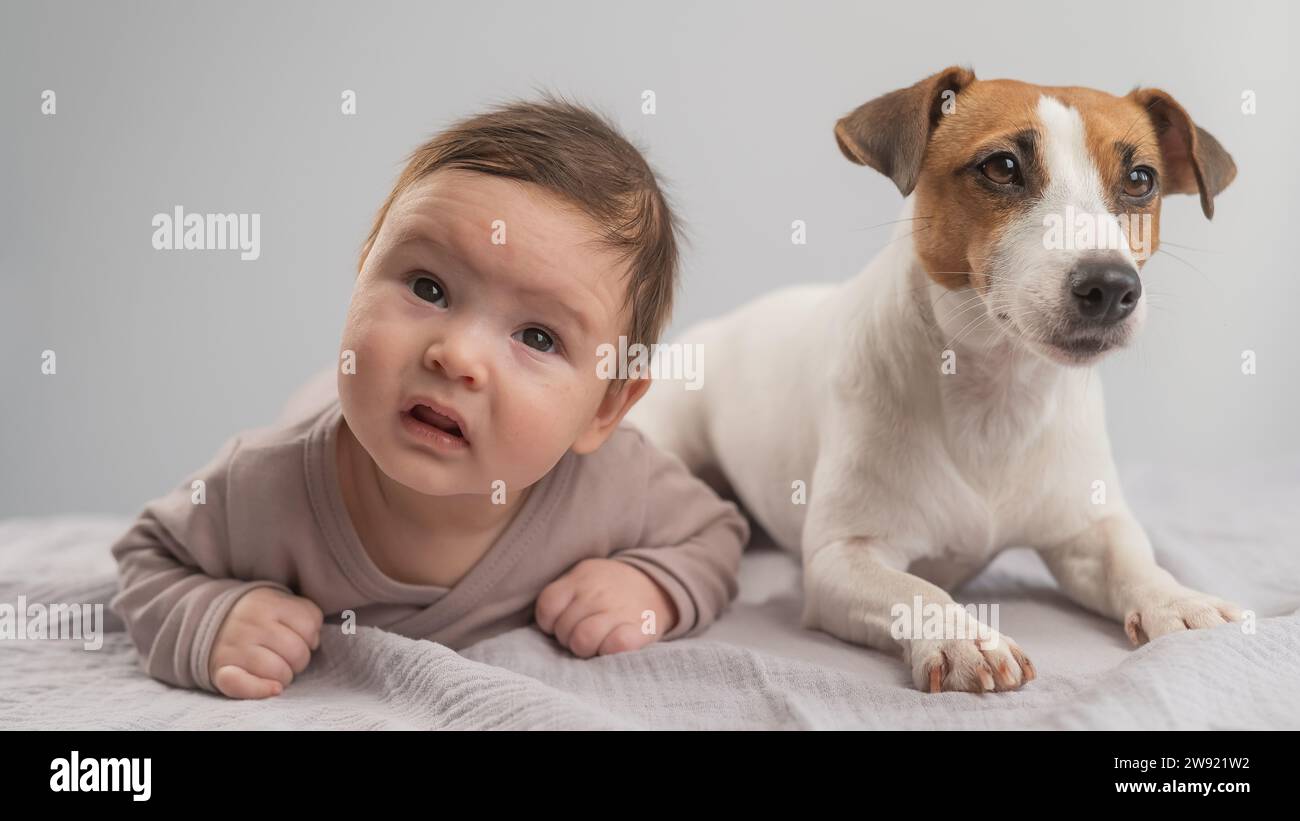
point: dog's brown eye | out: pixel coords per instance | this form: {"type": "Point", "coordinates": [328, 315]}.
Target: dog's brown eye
{"type": "Point", "coordinates": [1139, 182]}
{"type": "Point", "coordinates": [1002, 169]}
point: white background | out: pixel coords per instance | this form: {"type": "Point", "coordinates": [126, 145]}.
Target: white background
{"type": "Point", "coordinates": [234, 107]}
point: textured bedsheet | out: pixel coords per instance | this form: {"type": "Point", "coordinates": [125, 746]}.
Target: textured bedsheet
{"type": "Point", "coordinates": [1233, 535]}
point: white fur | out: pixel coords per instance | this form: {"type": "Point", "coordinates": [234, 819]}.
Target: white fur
{"type": "Point", "coordinates": [914, 473]}
{"type": "Point", "coordinates": [1027, 279]}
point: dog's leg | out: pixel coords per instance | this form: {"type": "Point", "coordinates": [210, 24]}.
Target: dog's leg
{"type": "Point", "coordinates": [851, 590]}
{"type": "Point", "coordinates": [1110, 568]}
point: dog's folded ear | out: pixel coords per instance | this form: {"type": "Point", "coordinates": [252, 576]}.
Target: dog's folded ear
{"type": "Point", "coordinates": [890, 132]}
{"type": "Point", "coordinates": [1194, 161]}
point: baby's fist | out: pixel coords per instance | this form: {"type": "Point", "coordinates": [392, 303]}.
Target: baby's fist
{"type": "Point", "coordinates": [596, 608]}
{"type": "Point", "coordinates": [266, 639]}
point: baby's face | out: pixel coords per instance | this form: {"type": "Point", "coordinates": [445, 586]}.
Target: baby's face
{"type": "Point", "coordinates": [503, 337]}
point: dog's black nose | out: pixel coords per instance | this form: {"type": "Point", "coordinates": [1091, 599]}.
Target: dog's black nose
{"type": "Point", "coordinates": [1105, 292]}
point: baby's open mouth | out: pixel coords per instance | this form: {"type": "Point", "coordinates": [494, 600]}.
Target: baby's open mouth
{"type": "Point", "coordinates": [429, 416]}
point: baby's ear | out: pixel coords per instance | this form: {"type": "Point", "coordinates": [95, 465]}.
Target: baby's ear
{"type": "Point", "coordinates": [1194, 161]}
{"type": "Point", "coordinates": [890, 132]}
{"type": "Point", "coordinates": [618, 400]}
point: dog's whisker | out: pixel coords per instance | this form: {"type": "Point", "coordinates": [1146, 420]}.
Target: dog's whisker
{"type": "Point", "coordinates": [963, 310]}
{"type": "Point", "coordinates": [1185, 262]}
{"type": "Point", "coordinates": [926, 285]}
{"type": "Point", "coordinates": [961, 306]}
{"type": "Point", "coordinates": [1190, 248]}
{"type": "Point", "coordinates": [920, 230]}
{"type": "Point", "coordinates": [981, 318]}
{"type": "Point", "coordinates": [892, 222]}
{"type": "Point", "coordinates": [1139, 118]}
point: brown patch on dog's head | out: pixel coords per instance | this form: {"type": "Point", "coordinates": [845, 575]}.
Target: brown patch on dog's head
{"type": "Point", "coordinates": [931, 138]}
{"type": "Point", "coordinates": [1194, 161]}
{"type": "Point", "coordinates": [990, 162]}
{"type": "Point", "coordinates": [890, 132]}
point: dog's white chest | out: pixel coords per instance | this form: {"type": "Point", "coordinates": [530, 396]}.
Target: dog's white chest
{"type": "Point", "coordinates": [1022, 451]}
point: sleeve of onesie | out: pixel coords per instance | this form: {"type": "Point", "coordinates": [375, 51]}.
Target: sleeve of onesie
{"type": "Point", "coordinates": [174, 574]}
{"type": "Point", "coordinates": [691, 541]}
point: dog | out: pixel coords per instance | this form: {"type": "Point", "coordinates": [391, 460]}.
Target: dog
{"type": "Point", "coordinates": [942, 405]}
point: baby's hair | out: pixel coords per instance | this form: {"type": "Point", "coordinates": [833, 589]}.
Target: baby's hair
{"type": "Point", "coordinates": [579, 155]}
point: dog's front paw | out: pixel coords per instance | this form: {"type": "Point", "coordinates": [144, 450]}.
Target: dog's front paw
{"type": "Point", "coordinates": [1157, 611]}
{"type": "Point", "coordinates": [974, 665]}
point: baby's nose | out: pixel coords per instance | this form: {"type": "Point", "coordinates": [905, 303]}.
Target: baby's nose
{"type": "Point", "coordinates": [460, 357]}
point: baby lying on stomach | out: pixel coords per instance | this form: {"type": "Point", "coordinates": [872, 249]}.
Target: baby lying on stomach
{"type": "Point", "coordinates": [470, 474]}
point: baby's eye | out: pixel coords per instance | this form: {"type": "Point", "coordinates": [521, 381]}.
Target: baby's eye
{"type": "Point", "coordinates": [537, 339]}
{"type": "Point", "coordinates": [428, 289]}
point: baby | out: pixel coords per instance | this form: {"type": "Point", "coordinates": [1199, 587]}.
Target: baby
{"type": "Point", "coordinates": [470, 474]}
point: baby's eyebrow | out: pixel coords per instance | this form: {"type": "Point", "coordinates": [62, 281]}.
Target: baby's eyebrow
{"type": "Point", "coordinates": [542, 294]}
{"type": "Point", "coordinates": [412, 237]}
{"type": "Point", "coordinates": [545, 295]}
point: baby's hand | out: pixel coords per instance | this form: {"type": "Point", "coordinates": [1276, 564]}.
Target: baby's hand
{"type": "Point", "coordinates": [595, 608]}
{"type": "Point", "coordinates": [266, 639]}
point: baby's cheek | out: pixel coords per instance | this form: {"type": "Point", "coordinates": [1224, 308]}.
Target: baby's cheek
{"type": "Point", "coordinates": [532, 445]}
{"type": "Point", "coordinates": [380, 345]}
{"type": "Point", "coordinates": [370, 393]}
{"type": "Point", "coordinates": [532, 437]}
{"type": "Point", "coordinates": [358, 366]}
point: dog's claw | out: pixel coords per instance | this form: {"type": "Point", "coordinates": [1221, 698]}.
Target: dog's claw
{"type": "Point", "coordinates": [1133, 628]}
{"type": "Point", "coordinates": [968, 665]}
{"type": "Point", "coordinates": [1026, 666]}
{"type": "Point", "coordinates": [1159, 611]}
{"type": "Point", "coordinates": [1003, 677]}
{"type": "Point", "coordinates": [938, 672]}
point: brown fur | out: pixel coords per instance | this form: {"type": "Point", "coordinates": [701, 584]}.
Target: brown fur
{"type": "Point", "coordinates": [905, 135]}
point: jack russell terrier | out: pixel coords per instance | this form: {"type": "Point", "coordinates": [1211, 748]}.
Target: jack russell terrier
{"type": "Point", "coordinates": [942, 405]}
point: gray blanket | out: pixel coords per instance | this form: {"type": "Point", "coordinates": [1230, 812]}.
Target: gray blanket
{"type": "Point", "coordinates": [1233, 535]}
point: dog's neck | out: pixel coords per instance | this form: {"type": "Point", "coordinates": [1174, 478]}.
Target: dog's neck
{"type": "Point", "coordinates": [991, 388]}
